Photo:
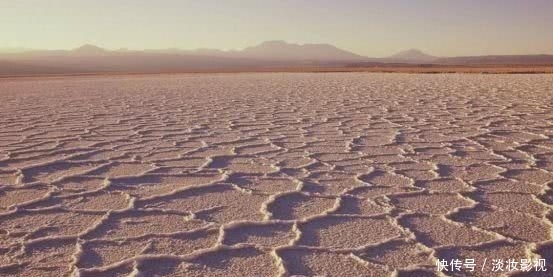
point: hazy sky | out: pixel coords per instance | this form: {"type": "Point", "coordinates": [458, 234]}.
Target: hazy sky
{"type": "Point", "coordinates": [372, 28]}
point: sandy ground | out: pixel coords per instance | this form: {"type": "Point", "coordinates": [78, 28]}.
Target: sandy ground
{"type": "Point", "coordinates": [273, 174]}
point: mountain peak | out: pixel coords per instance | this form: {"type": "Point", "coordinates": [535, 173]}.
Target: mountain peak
{"type": "Point", "coordinates": [282, 50]}
{"type": "Point", "coordinates": [412, 55]}
{"type": "Point", "coordinates": [89, 49]}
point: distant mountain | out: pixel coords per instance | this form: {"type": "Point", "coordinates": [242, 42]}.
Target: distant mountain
{"type": "Point", "coordinates": [281, 50]}
{"type": "Point", "coordinates": [277, 50]}
{"type": "Point", "coordinates": [89, 50]}
{"type": "Point", "coordinates": [411, 56]}
{"type": "Point", "coordinates": [270, 54]}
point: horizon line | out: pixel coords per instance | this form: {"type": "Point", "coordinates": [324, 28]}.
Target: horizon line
{"type": "Point", "coordinates": [23, 49]}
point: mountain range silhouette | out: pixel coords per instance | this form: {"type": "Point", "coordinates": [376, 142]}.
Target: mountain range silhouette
{"type": "Point", "coordinates": [90, 58]}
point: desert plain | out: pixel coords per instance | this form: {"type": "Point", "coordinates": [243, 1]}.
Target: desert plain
{"type": "Point", "coordinates": [274, 174]}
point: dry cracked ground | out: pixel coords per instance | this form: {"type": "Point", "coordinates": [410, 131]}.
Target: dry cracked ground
{"type": "Point", "coordinates": [274, 174]}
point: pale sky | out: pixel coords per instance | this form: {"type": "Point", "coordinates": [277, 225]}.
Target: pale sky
{"type": "Point", "coordinates": [368, 27]}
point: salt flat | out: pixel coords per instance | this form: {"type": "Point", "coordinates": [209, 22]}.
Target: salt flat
{"type": "Point", "coordinates": [273, 174]}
